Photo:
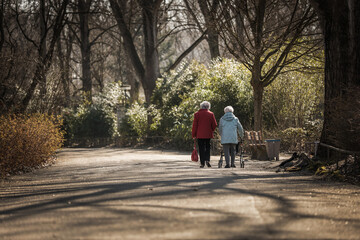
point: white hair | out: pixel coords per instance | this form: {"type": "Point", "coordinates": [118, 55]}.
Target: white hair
{"type": "Point", "coordinates": [228, 109]}
{"type": "Point", "coordinates": [205, 105]}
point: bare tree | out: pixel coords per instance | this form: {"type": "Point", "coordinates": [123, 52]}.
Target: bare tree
{"type": "Point", "coordinates": [86, 43]}
{"type": "Point", "coordinates": [84, 12]}
{"type": "Point", "coordinates": [12, 79]}
{"type": "Point", "coordinates": [45, 54]}
{"type": "Point", "coordinates": [149, 72]}
{"type": "Point", "coordinates": [205, 15]}
{"type": "Point", "coordinates": [88, 31]}
{"type": "Point", "coordinates": [265, 36]}
{"type": "Point", "coordinates": [64, 49]}
{"type": "Point", "coordinates": [210, 13]}
{"type": "Point", "coordinates": [146, 65]}
{"type": "Point", "coordinates": [183, 30]}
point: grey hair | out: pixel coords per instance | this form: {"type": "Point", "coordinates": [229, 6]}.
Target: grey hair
{"type": "Point", "coordinates": [205, 105]}
{"type": "Point", "coordinates": [228, 109]}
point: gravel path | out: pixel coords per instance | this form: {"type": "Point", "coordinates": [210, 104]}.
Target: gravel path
{"type": "Point", "coordinates": [111, 193]}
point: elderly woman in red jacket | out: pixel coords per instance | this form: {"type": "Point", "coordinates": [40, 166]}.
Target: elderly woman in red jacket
{"type": "Point", "coordinates": [203, 128]}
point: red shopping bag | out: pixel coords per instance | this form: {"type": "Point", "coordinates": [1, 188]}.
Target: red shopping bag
{"type": "Point", "coordinates": [194, 155]}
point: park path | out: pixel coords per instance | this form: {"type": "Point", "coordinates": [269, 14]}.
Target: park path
{"type": "Point", "coordinates": [112, 193]}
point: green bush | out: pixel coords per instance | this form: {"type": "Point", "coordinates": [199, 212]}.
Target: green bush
{"type": "Point", "coordinates": [178, 95]}
{"type": "Point", "coordinates": [229, 83]}
{"type": "Point", "coordinates": [292, 104]}
{"type": "Point", "coordinates": [96, 119]}
{"type": "Point", "coordinates": [138, 118]}
{"type": "Point", "coordinates": [28, 141]}
{"type": "Point", "coordinates": [89, 122]}
{"type": "Point", "coordinates": [174, 97]}
{"type": "Point", "coordinates": [126, 128]}
{"type": "Point", "coordinates": [293, 139]}
{"type": "Point", "coordinates": [295, 98]}
{"type": "Point", "coordinates": [222, 83]}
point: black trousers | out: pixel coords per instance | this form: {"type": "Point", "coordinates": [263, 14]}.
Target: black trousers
{"type": "Point", "coordinates": [204, 150]}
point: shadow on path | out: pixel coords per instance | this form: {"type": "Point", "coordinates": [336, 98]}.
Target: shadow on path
{"type": "Point", "coordinates": [121, 190]}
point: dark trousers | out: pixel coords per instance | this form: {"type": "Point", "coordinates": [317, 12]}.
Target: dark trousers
{"type": "Point", "coordinates": [204, 150]}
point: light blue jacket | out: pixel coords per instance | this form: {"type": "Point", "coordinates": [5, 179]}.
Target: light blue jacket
{"type": "Point", "coordinates": [229, 127]}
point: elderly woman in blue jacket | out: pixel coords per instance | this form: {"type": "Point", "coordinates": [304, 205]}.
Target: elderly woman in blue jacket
{"type": "Point", "coordinates": [229, 129]}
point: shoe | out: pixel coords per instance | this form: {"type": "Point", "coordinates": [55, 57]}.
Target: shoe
{"type": "Point", "coordinates": [233, 165]}
{"type": "Point", "coordinates": [208, 164]}
{"type": "Point", "coordinates": [227, 166]}
{"type": "Point", "coordinates": [201, 166]}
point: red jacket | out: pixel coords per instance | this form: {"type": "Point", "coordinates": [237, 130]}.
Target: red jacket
{"type": "Point", "coordinates": [204, 124]}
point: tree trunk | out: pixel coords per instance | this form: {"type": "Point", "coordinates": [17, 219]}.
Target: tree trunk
{"type": "Point", "coordinates": [42, 49]}
{"type": "Point", "coordinates": [213, 41]}
{"type": "Point", "coordinates": [133, 82]}
{"type": "Point", "coordinates": [341, 26]}
{"type": "Point", "coordinates": [127, 76]}
{"type": "Point", "coordinates": [64, 61]}
{"type": "Point", "coordinates": [67, 69]}
{"type": "Point", "coordinates": [135, 89]}
{"type": "Point", "coordinates": [258, 89]}
{"type": "Point", "coordinates": [256, 81]}
{"type": "Point", "coordinates": [2, 36]}
{"type": "Point", "coordinates": [43, 66]}
{"type": "Point", "coordinates": [258, 97]}
{"type": "Point", "coordinates": [31, 90]}
{"type": "Point", "coordinates": [152, 69]}
{"type": "Point", "coordinates": [84, 8]}
{"type": "Point", "coordinates": [209, 13]}
{"type": "Point", "coordinates": [128, 43]}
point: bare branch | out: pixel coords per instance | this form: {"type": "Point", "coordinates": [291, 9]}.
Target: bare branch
{"type": "Point", "coordinates": [186, 52]}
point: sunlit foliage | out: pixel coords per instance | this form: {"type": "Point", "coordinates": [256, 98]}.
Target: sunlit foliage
{"type": "Point", "coordinates": [96, 119]}
{"type": "Point", "coordinates": [28, 141]}
{"type": "Point", "coordinates": [178, 96]}
{"type": "Point", "coordinates": [293, 103]}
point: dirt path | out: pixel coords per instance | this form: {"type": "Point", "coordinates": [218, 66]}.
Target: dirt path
{"type": "Point", "coordinates": [147, 194]}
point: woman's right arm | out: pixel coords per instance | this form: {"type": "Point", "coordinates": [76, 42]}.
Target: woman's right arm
{"type": "Point", "coordinates": [194, 126]}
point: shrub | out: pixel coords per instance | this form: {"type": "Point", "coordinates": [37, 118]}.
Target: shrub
{"type": "Point", "coordinates": [229, 82]}
{"type": "Point", "coordinates": [28, 141]}
{"type": "Point", "coordinates": [293, 139]}
{"type": "Point", "coordinates": [96, 119]}
{"type": "Point", "coordinates": [137, 118]}
{"type": "Point", "coordinates": [295, 98]}
{"type": "Point", "coordinates": [89, 122]}
{"type": "Point", "coordinates": [126, 129]}
{"type": "Point", "coordinates": [292, 107]}
{"type": "Point", "coordinates": [178, 96]}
